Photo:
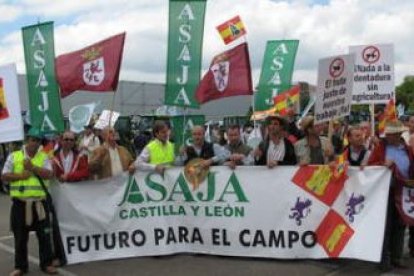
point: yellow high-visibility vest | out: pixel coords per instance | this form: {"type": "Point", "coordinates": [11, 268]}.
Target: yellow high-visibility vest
{"type": "Point", "coordinates": [30, 187]}
{"type": "Point", "coordinates": [161, 153]}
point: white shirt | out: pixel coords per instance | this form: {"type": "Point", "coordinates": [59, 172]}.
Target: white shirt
{"type": "Point", "coordinates": [354, 155]}
{"type": "Point", "coordinates": [276, 152]}
{"type": "Point", "coordinates": [67, 161]}
{"type": "Point", "coordinates": [116, 164]}
{"type": "Point", "coordinates": [91, 142]}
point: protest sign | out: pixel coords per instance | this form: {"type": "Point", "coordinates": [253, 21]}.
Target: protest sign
{"type": "Point", "coordinates": [107, 118]}
{"type": "Point", "coordinates": [333, 99]}
{"type": "Point", "coordinates": [373, 73]}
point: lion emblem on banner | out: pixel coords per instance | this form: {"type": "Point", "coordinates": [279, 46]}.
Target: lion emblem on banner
{"type": "Point", "coordinates": [195, 173]}
{"type": "Point", "coordinates": [94, 67]}
{"type": "Point", "coordinates": [94, 72]}
{"type": "Point", "coordinates": [221, 71]}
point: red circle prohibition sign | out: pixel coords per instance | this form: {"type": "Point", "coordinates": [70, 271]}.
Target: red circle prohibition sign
{"type": "Point", "coordinates": [371, 54]}
{"type": "Point", "coordinates": [337, 67]}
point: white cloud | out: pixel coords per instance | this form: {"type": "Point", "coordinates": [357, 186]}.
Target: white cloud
{"type": "Point", "coordinates": [9, 13]}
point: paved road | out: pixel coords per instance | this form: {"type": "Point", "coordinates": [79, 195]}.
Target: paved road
{"type": "Point", "coordinates": [184, 265]}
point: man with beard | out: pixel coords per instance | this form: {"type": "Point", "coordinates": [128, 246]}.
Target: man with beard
{"type": "Point", "coordinates": [275, 149]}
{"type": "Point", "coordinates": [239, 152]}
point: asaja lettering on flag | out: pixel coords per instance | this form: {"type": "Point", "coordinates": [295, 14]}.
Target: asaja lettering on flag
{"type": "Point", "coordinates": [229, 75]}
{"type": "Point", "coordinates": [320, 181]}
{"type": "Point", "coordinates": [231, 29]}
{"type": "Point", "coordinates": [94, 68]}
{"type": "Point", "coordinates": [287, 99]}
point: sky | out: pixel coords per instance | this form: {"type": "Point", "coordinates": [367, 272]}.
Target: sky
{"type": "Point", "coordinates": [323, 27]}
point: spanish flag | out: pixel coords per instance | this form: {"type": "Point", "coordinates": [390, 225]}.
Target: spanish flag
{"type": "Point", "coordinates": [231, 30]}
{"type": "Point", "coordinates": [262, 115]}
{"type": "Point", "coordinates": [3, 107]}
{"type": "Point", "coordinates": [390, 114]}
{"type": "Point", "coordinates": [286, 99]}
{"type": "Point", "coordinates": [341, 167]}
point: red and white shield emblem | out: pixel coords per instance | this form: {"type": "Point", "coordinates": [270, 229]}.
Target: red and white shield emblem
{"type": "Point", "coordinates": [221, 72]}
{"type": "Point", "coordinates": [94, 71]}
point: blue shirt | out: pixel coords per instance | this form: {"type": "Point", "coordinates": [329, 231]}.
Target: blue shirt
{"type": "Point", "coordinates": [399, 155]}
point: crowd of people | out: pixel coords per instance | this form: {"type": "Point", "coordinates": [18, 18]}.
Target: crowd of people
{"type": "Point", "coordinates": [94, 155]}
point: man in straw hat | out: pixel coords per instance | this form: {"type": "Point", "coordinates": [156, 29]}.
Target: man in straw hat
{"type": "Point", "coordinates": [24, 169]}
{"type": "Point", "coordinates": [313, 148]}
{"type": "Point", "coordinates": [395, 154]}
{"type": "Point", "coordinates": [275, 149]}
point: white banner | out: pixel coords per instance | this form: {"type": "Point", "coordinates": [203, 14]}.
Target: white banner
{"type": "Point", "coordinates": [11, 122]}
{"type": "Point", "coordinates": [374, 73]}
{"type": "Point", "coordinates": [286, 212]}
{"type": "Point", "coordinates": [335, 80]}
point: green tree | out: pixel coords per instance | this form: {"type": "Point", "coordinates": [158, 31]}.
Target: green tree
{"type": "Point", "coordinates": [405, 93]}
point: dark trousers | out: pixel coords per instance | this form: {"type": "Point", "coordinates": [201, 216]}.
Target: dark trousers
{"type": "Point", "coordinates": [411, 240]}
{"type": "Point", "coordinates": [21, 235]}
{"type": "Point", "coordinates": [392, 249]}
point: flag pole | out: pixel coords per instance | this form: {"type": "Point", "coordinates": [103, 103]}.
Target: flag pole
{"type": "Point", "coordinates": [372, 115]}
{"type": "Point", "coordinates": [112, 110]}
{"type": "Point", "coordinates": [184, 122]}
{"type": "Point", "coordinates": [254, 92]}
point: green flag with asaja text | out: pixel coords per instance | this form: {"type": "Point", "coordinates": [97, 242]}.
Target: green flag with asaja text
{"type": "Point", "coordinates": [185, 41]}
{"type": "Point", "coordinates": [276, 75]}
{"type": "Point", "coordinates": [44, 99]}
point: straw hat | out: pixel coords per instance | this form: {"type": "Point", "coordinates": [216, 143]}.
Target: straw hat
{"type": "Point", "coordinates": [272, 117]}
{"type": "Point", "coordinates": [394, 127]}
{"type": "Point", "coordinates": [306, 122]}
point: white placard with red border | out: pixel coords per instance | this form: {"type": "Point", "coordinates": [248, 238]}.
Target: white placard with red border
{"type": "Point", "coordinates": [373, 73]}
{"type": "Point", "coordinates": [335, 79]}
{"type": "Point", "coordinates": [11, 122]}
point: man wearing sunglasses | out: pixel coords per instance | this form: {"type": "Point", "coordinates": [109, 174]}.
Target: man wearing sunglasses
{"type": "Point", "coordinates": [68, 164]}
{"type": "Point", "coordinates": [24, 169]}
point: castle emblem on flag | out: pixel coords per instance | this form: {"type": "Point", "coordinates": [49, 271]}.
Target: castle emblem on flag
{"type": "Point", "coordinates": [94, 68]}
{"type": "Point", "coordinates": [221, 71]}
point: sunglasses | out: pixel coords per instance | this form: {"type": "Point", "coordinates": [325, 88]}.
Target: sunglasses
{"type": "Point", "coordinates": [68, 139]}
